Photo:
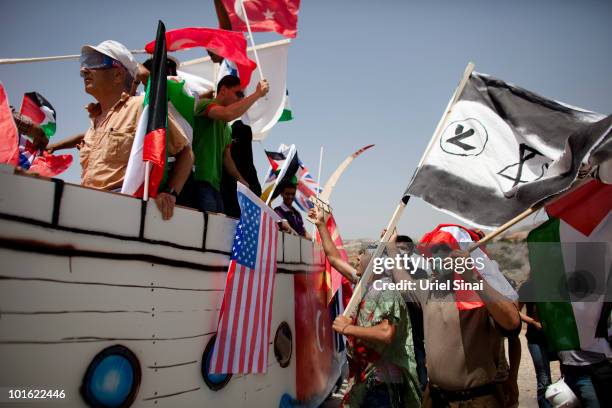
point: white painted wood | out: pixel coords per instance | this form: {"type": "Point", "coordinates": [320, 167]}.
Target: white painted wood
{"type": "Point", "coordinates": [19, 191]}
{"type": "Point", "coordinates": [220, 232]}
{"type": "Point", "coordinates": [292, 248]}
{"type": "Point", "coordinates": [80, 208]}
{"type": "Point", "coordinates": [87, 301]}
{"type": "Point", "coordinates": [306, 248]}
{"type": "Point", "coordinates": [186, 226]}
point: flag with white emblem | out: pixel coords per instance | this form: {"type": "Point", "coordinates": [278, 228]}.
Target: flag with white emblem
{"type": "Point", "coordinates": [243, 331]}
{"type": "Point", "coordinates": [503, 148]}
{"type": "Point", "coordinates": [264, 15]}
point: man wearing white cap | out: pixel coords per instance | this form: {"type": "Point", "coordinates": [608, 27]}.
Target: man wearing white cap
{"type": "Point", "coordinates": [108, 70]}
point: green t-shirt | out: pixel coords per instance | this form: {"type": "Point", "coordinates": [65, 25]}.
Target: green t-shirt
{"type": "Point", "coordinates": [210, 138]}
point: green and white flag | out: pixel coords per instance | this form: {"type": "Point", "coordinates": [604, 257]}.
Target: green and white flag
{"type": "Point", "coordinates": [287, 114]}
{"type": "Point", "coordinates": [181, 104]}
{"type": "Point", "coordinates": [570, 257]}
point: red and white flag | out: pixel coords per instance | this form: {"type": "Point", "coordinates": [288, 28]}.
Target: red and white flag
{"type": "Point", "coordinates": [9, 139]}
{"type": "Point", "coordinates": [264, 15]}
{"type": "Point", "coordinates": [243, 332]}
{"type": "Point", "coordinates": [227, 44]}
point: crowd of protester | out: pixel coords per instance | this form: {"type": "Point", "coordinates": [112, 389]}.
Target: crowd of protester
{"type": "Point", "coordinates": [422, 348]}
{"type": "Point", "coordinates": [198, 164]}
{"type": "Point", "coordinates": [406, 349]}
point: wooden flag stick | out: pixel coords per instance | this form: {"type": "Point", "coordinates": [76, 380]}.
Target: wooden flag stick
{"type": "Point", "coordinates": [360, 289]}
{"type": "Point", "coordinates": [501, 229]}
{"type": "Point", "coordinates": [246, 20]}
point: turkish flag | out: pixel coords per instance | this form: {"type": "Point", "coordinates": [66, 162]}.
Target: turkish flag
{"type": "Point", "coordinates": [227, 44]}
{"type": "Point", "coordinates": [264, 15]}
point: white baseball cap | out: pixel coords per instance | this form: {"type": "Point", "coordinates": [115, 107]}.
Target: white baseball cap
{"type": "Point", "coordinates": [117, 51]}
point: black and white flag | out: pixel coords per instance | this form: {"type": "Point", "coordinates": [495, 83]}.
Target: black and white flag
{"type": "Point", "coordinates": [503, 149]}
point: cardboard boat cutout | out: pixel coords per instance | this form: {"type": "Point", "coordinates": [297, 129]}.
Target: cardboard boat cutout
{"type": "Point", "coordinates": [102, 299]}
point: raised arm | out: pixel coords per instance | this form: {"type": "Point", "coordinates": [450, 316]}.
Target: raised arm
{"type": "Point", "coordinates": [503, 311]}
{"type": "Point", "coordinates": [68, 143]}
{"type": "Point", "coordinates": [382, 333]}
{"type": "Point", "coordinates": [237, 109]}
{"type": "Point", "coordinates": [332, 253]}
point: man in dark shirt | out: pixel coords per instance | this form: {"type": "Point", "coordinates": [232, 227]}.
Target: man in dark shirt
{"type": "Point", "coordinates": [290, 214]}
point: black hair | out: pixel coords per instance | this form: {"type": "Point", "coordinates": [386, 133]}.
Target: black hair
{"type": "Point", "coordinates": [405, 239]}
{"type": "Point", "coordinates": [285, 184]}
{"type": "Point", "coordinates": [228, 81]}
{"type": "Point", "coordinates": [170, 66]}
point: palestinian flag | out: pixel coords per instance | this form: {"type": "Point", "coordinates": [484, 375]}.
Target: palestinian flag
{"type": "Point", "coordinates": [181, 104]}
{"type": "Point", "coordinates": [287, 114]}
{"type": "Point", "coordinates": [40, 111]}
{"type": "Point", "coordinates": [150, 138]}
{"type": "Point", "coordinates": [284, 164]}
{"type": "Point", "coordinates": [570, 258]}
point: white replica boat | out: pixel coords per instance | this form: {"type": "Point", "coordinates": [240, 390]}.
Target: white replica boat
{"type": "Point", "coordinates": [103, 300]}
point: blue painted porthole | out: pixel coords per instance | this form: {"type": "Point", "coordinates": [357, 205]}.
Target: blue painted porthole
{"type": "Point", "coordinates": [112, 379]}
{"type": "Point", "coordinates": [214, 381]}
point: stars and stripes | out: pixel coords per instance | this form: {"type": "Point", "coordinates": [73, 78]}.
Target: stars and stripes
{"type": "Point", "coordinates": [243, 330]}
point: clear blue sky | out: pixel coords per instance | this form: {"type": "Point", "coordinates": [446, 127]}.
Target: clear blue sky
{"type": "Point", "coordinates": [360, 72]}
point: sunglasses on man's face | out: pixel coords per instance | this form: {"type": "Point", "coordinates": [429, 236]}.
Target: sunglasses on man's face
{"type": "Point", "coordinates": [239, 94]}
{"type": "Point", "coordinates": [94, 60]}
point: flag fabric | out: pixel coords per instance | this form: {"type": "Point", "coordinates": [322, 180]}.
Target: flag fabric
{"type": "Point", "coordinates": [306, 188]}
{"type": "Point", "coordinates": [227, 44]}
{"type": "Point", "coordinates": [264, 15]}
{"type": "Point", "coordinates": [509, 148]}
{"type": "Point", "coordinates": [40, 111]}
{"type": "Point", "coordinates": [459, 237]}
{"type": "Point", "coordinates": [9, 139]}
{"type": "Point", "coordinates": [39, 161]}
{"type": "Point", "coordinates": [243, 331]}
{"type": "Point", "coordinates": [570, 257]}
{"type": "Point", "coordinates": [287, 114]}
{"type": "Point", "coordinates": [334, 280]}
{"type": "Point", "coordinates": [284, 164]}
{"type": "Point", "coordinates": [181, 104]}
{"type": "Point", "coordinates": [263, 115]}
{"type": "Point", "coordinates": [150, 140]}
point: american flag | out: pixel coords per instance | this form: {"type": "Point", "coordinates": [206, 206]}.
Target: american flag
{"type": "Point", "coordinates": [243, 330]}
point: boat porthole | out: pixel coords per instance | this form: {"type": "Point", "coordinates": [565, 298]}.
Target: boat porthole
{"type": "Point", "coordinates": [283, 344]}
{"type": "Point", "coordinates": [214, 381]}
{"type": "Point", "coordinates": [112, 378]}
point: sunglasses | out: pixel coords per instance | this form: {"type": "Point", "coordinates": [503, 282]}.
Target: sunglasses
{"type": "Point", "coordinates": [94, 60]}
{"type": "Point", "coordinates": [239, 94]}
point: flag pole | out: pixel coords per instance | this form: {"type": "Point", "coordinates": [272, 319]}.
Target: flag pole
{"type": "Point", "coordinates": [360, 288]}
{"type": "Point", "coordinates": [501, 229]}
{"type": "Point", "coordinates": [246, 20]}
{"type": "Point", "coordinates": [314, 227]}
{"type": "Point", "coordinates": [145, 194]}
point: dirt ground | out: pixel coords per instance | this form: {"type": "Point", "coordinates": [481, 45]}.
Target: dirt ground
{"type": "Point", "coordinates": [526, 380]}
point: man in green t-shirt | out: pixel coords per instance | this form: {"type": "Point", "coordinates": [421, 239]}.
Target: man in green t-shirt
{"type": "Point", "coordinates": [212, 138]}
